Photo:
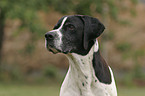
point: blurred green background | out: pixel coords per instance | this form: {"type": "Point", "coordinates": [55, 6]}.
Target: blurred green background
{"type": "Point", "coordinates": [28, 69]}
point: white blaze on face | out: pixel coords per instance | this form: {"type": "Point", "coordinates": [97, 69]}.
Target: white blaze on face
{"type": "Point", "coordinates": [58, 41]}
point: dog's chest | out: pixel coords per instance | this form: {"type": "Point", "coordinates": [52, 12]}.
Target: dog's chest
{"type": "Point", "coordinates": [80, 79]}
{"type": "Point", "coordinates": [85, 87]}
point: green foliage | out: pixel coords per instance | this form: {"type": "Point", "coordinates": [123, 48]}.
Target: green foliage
{"type": "Point", "coordinates": [128, 79]}
{"type": "Point", "coordinates": [83, 7]}
{"type": "Point", "coordinates": [64, 6]}
{"type": "Point", "coordinates": [113, 9]}
{"type": "Point", "coordinates": [108, 36]}
{"type": "Point", "coordinates": [123, 46]}
{"type": "Point", "coordinates": [99, 4]}
{"type": "Point", "coordinates": [10, 73]}
{"type": "Point", "coordinates": [27, 12]}
{"type": "Point", "coordinates": [125, 22]}
{"type": "Point", "coordinates": [138, 72]}
{"type": "Point", "coordinates": [128, 52]}
{"type": "Point", "coordinates": [50, 71]}
{"type": "Point", "coordinates": [133, 12]}
{"type": "Point", "coordinates": [134, 1]}
{"type": "Point", "coordinates": [130, 76]}
{"type": "Point", "coordinates": [139, 53]}
{"type": "Point", "coordinates": [30, 47]}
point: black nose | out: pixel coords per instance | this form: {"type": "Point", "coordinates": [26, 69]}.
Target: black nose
{"type": "Point", "coordinates": [49, 36]}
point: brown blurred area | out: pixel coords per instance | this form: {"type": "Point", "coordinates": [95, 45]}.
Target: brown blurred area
{"type": "Point", "coordinates": [124, 47]}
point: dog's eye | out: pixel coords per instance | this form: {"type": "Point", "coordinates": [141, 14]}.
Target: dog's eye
{"type": "Point", "coordinates": [70, 27]}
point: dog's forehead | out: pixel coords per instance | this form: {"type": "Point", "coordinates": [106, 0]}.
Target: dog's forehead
{"type": "Point", "coordinates": [74, 19]}
{"type": "Point", "coordinates": [70, 19]}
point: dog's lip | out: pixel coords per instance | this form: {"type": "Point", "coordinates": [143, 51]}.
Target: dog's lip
{"type": "Point", "coordinates": [53, 50]}
{"type": "Point", "coordinates": [66, 51]}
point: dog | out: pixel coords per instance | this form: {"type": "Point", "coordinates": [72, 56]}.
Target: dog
{"type": "Point", "coordinates": [88, 73]}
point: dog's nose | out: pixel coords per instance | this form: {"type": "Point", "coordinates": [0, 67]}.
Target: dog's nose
{"type": "Point", "coordinates": [49, 36]}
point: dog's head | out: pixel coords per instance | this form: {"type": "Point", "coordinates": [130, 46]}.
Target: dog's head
{"type": "Point", "coordinates": [74, 34]}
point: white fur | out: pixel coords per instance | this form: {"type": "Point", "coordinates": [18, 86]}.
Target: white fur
{"type": "Point", "coordinates": [96, 46]}
{"type": "Point", "coordinates": [80, 68]}
{"type": "Point", "coordinates": [58, 42]}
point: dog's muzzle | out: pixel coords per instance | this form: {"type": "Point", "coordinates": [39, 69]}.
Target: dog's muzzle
{"type": "Point", "coordinates": [49, 36]}
{"type": "Point", "coordinates": [49, 42]}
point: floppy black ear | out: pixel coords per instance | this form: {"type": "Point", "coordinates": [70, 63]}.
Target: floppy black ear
{"type": "Point", "coordinates": [92, 29]}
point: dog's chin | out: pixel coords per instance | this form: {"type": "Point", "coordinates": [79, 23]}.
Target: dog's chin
{"type": "Point", "coordinates": [66, 51]}
{"type": "Point", "coordinates": [55, 51]}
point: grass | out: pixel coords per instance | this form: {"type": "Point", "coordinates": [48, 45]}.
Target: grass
{"type": "Point", "coordinates": [29, 90]}
{"type": "Point", "coordinates": [135, 91]}
{"type": "Point", "coordinates": [53, 90]}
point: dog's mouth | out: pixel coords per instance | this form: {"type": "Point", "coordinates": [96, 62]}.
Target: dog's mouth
{"type": "Point", "coordinates": [55, 50]}
{"type": "Point", "coordinates": [50, 47]}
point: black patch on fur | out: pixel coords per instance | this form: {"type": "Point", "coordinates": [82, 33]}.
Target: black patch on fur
{"type": "Point", "coordinates": [101, 68]}
{"type": "Point", "coordinates": [83, 84]}
{"type": "Point", "coordinates": [93, 28]}
{"type": "Point", "coordinates": [86, 77]}
{"type": "Point", "coordinates": [95, 80]}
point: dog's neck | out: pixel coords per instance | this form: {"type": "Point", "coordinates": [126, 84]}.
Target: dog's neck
{"type": "Point", "coordinates": [88, 75]}
{"type": "Point", "coordinates": [81, 70]}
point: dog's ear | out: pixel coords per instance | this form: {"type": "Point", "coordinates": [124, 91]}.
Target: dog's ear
{"type": "Point", "coordinates": [92, 29]}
